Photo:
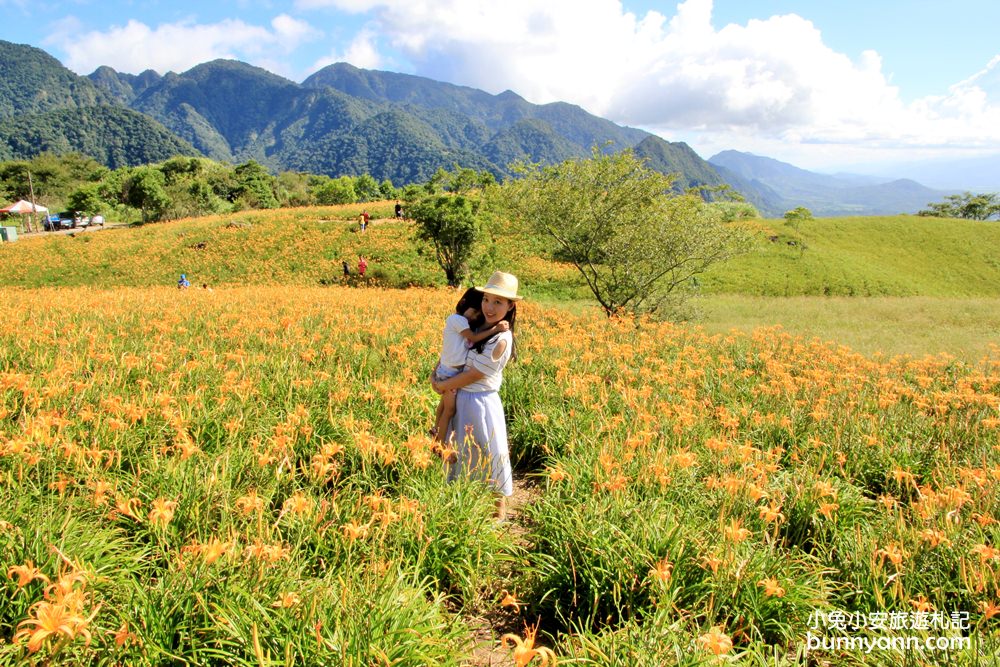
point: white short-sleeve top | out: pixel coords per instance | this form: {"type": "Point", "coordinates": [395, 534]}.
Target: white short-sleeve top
{"type": "Point", "coordinates": [453, 350]}
{"type": "Point", "coordinates": [490, 362]}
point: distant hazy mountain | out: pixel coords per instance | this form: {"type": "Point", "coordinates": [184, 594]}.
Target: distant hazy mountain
{"type": "Point", "coordinates": [824, 195]}
{"type": "Point", "coordinates": [976, 174]}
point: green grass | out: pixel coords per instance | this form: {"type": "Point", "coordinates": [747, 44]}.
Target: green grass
{"type": "Point", "coordinates": [967, 328]}
{"type": "Point", "coordinates": [871, 256]}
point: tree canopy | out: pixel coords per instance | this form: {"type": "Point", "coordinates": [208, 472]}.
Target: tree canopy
{"type": "Point", "coordinates": [967, 205]}
{"type": "Point", "coordinates": [636, 243]}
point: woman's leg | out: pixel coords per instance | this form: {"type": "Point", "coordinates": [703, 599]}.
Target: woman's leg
{"type": "Point", "coordinates": [501, 511]}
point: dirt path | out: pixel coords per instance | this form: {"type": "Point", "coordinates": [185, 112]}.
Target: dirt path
{"type": "Point", "coordinates": [487, 629]}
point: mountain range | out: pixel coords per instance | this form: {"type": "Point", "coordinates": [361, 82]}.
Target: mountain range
{"type": "Point", "coordinates": [346, 120]}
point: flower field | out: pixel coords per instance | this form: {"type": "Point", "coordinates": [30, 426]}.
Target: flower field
{"type": "Point", "coordinates": [240, 476]}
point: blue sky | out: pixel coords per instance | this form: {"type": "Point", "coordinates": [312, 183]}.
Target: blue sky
{"type": "Point", "coordinates": [819, 83]}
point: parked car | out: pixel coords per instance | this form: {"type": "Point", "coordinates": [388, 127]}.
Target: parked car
{"type": "Point", "coordinates": [72, 220]}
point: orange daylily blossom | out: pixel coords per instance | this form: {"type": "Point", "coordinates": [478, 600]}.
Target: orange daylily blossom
{"type": "Point", "coordinates": [210, 551]}
{"type": "Point", "coordinates": [828, 509]}
{"type": "Point", "coordinates": [287, 601]}
{"type": "Point", "coordinates": [736, 532]}
{"type": "Point", "coordinates": [26, 574]}
{"type": "Point", "coordinates": [893, 553]}
{"type": "Point", "coordinates": [297, 503]}
{"type": "Point", "coordinates": [772, 513]}
{"type": "Point", "coordinates": [934, 537]}
{"type": "Point", "coordinates": [986, 552]}
{"type": "Point", "coordinates": [53, 620]}
{"type": "Point", "coordinates": [825, 489]}
{"type": "Point", "coordinates": [557, 474]}
{"type": "Point", "coordinates": [989, 609]}
{"type": "Point", "coordinates": [249, 503]}
{"type": "Point", "coordinates": [524, 649]}
{"type": "Point", "coordinates": [920, 603]}
{"type": "Point", "coordinates": [508, 600]}
{"type": "Point", "coordinates": [716, 641]}
{"type": "Point", "coordinates": [712, 563]}
{"type": "Point", "coordinates": [163, 511]}
{"type": "Point", "coordinates": [661, 571]}
{"type": "Point", "coordinates": [353, 530]}
{"type": "Point", "coordinates": [124, 635]}
{"type": "Point", "coordinates": [771, 587]}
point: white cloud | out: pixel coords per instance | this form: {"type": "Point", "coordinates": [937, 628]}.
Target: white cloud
{"type": "Point", "coordinates": [135, 46]}
{"type": "Point", "coordinates": [361, 52]}
{"type": "Point", "coordinates": [770, 83]}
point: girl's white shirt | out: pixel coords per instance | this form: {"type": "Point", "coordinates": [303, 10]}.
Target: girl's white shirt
{"type": "Point", "coordinates": [453, 349]}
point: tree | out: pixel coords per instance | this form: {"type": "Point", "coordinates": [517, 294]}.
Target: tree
{"type": "Point", "coordinates": [336, 191]}
{"type": "Point", "coordinates": [144, 190]}
{"type": "Point", "coordinates": [794, 218]}
{"type": "Point", "coordinates": [636, 244]}
{"type": "Point", "coordinates": [255, 186]}
{"type": "Point", "coordinates": [797, 215]}
{"type": "Point", "coordinates": [387, 190]}
{"type": "Point", "coordinates": [86, 200]}
{"type": "Point", "coordinates": [966, 205]}
{"type": "Point", "coordinates": [451, 224]}
{"type": "Point", "coordinates": [366, 188]}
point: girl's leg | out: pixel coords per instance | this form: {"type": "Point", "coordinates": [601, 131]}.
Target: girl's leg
{"type": "Point", "coordinates": [446, 410]}
{"type": "Point", "coordinates": [437, 419]}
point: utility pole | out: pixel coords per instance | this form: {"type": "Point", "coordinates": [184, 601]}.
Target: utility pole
{"type": "Point", "coordinates": [31, 192]}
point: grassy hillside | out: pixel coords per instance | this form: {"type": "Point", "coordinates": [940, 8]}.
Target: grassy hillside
{"type": "Point", "coordinates": [293, 247]}
{"type": "Point", "coordinates": [875, 256]}
{"type": "Point", "coordinates": [886, 256]}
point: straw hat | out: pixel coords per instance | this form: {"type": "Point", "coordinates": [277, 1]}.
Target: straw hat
{"type": "Point", "coordinates": [502, 284]}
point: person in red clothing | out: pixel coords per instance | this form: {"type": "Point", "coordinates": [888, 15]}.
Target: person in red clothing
{"type": "Point", "coordinates": [364, 220]}
{"type": "Point", "coordinates": [362, 265]}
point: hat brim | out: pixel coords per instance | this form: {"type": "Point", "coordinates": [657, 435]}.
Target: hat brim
{"type": "Point", "coordinates": [497, 292]}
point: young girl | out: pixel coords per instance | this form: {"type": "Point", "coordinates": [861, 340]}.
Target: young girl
{"type": "Point", "coordinates": [455, 343]}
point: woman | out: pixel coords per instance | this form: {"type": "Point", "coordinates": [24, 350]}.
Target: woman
{"type": "Point", "coordinates": [478, 427]}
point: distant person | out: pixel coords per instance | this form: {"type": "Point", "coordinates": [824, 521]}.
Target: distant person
{"type": "Point", "coordinates": [347, 269]}
{"type": "Point", "coordinates": [364, 220]}
{"type": "Point", "coordinates": [183, 282]}
{"type": "Point", "coordinates": [362, 265]}
{"type": "Point", "coordinates": [399, 210]}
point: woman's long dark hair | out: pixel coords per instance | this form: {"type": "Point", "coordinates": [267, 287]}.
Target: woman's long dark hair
{"type": "Point", "coordinates": [511, 318]}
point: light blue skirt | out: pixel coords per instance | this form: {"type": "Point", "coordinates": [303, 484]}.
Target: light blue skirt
{"type": "Point", "coordinates": [482, 449]}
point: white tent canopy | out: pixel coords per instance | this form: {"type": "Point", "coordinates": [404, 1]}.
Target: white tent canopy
{"type": "Point", "coordinates": [23, 207]}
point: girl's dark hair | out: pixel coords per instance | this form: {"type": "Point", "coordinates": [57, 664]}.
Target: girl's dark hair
{"type": "Point", "coordinates": [511, 318]}
{"type": "Point", "coordinates": [472, 298]}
